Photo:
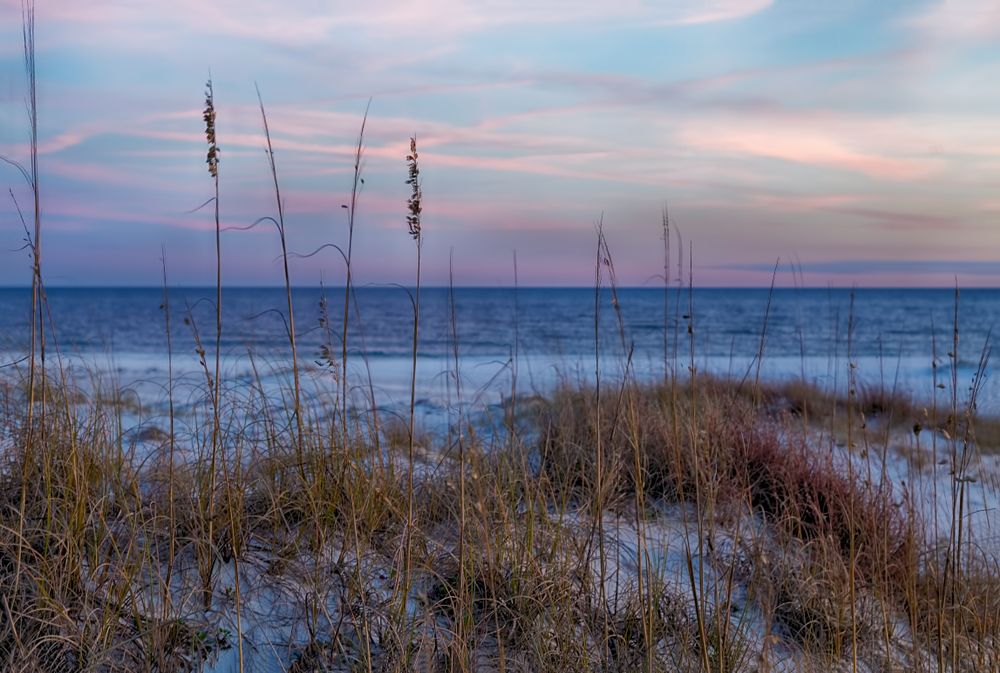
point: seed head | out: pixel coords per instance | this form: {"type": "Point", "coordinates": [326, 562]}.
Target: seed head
{"type": "Point", "coordinates": [413, 204]}
{"type": "Point", "coordinates": [209, 117]}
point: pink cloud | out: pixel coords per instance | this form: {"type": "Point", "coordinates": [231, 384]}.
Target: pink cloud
{"type": "Point", "coordinates": [894, 220]}
{"type": "Point", "coordinates": [807, 147]}
{"type": "Point", "coordinates": [485, 135]}
{"type": "Point", "coordinates": [705, 12]}
{"type": "Point", "coordinates": [312, 21]}
{"type": "Point", "coordinates": [539, 165]}
{"type": "Point", "coordinates": [805, 203]}
{"type": "Point", "coordinates": [563, 157]}
{"type": "Point", "coordinates": [958, 20]}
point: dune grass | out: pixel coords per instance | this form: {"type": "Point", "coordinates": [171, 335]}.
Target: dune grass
{"type": "Point", "coordinates": [729, 539]}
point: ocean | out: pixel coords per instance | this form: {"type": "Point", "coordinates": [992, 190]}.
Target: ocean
{"type": "Point", "coordinates": [543, 336]}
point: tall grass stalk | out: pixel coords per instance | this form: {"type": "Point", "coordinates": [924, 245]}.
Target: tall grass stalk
{"type": "Point", "coordinates": [37, 335]}
{"type": "Point", "coordinates": [597, 506]}
{"type": "Point", "coordinates": [666, 293]}
{"type": "Point", "coordinates": [30, 175]}
{"type": "Point", "coordinates": [356, 186]}
{"type": "Point", "coordinates": [852, 385]}
{"type": "Point", "coordinates": [29, 64]}
{"type": "Point", "coordinates": [345, 436]}
{"type": "Point", "coordinates": [463, 598]}
{"type": "Point", "coordinates": [212, 159]}
{"type": "Point", "coordinates": [172, 514]}
{"type": "Point", "coordinates": [697, 587]}
{"type": "Point", "coordinates": [626, 398]}
{"type": "Point", "coordinates": [414, 208]}
{"type": "Point", "coordinates": [299, 421]}
{"type": "Point", "coordinates": [952, 559]}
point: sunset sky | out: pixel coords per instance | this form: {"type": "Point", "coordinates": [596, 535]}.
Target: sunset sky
{"type": "Point", "coordinates": [858, 140]}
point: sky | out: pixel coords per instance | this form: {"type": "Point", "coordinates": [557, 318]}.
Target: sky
{"type": "Point", "coordinates": [840, 142]}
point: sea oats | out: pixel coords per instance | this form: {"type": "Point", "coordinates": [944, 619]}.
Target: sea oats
{"type": "Point", "coordinates": [413, 204]}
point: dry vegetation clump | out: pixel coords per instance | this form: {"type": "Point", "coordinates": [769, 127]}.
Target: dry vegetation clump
{"type": "Point", "coordinates": [78, 538]}
{"type": "Point", "coordinates": [960, 620]}
{"type": "Point", "coordinates": [845, 562]}
{"type": "Point", "coordinates": [708, 438]}
{"type": "Point", "coordinates": [887, 409]}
